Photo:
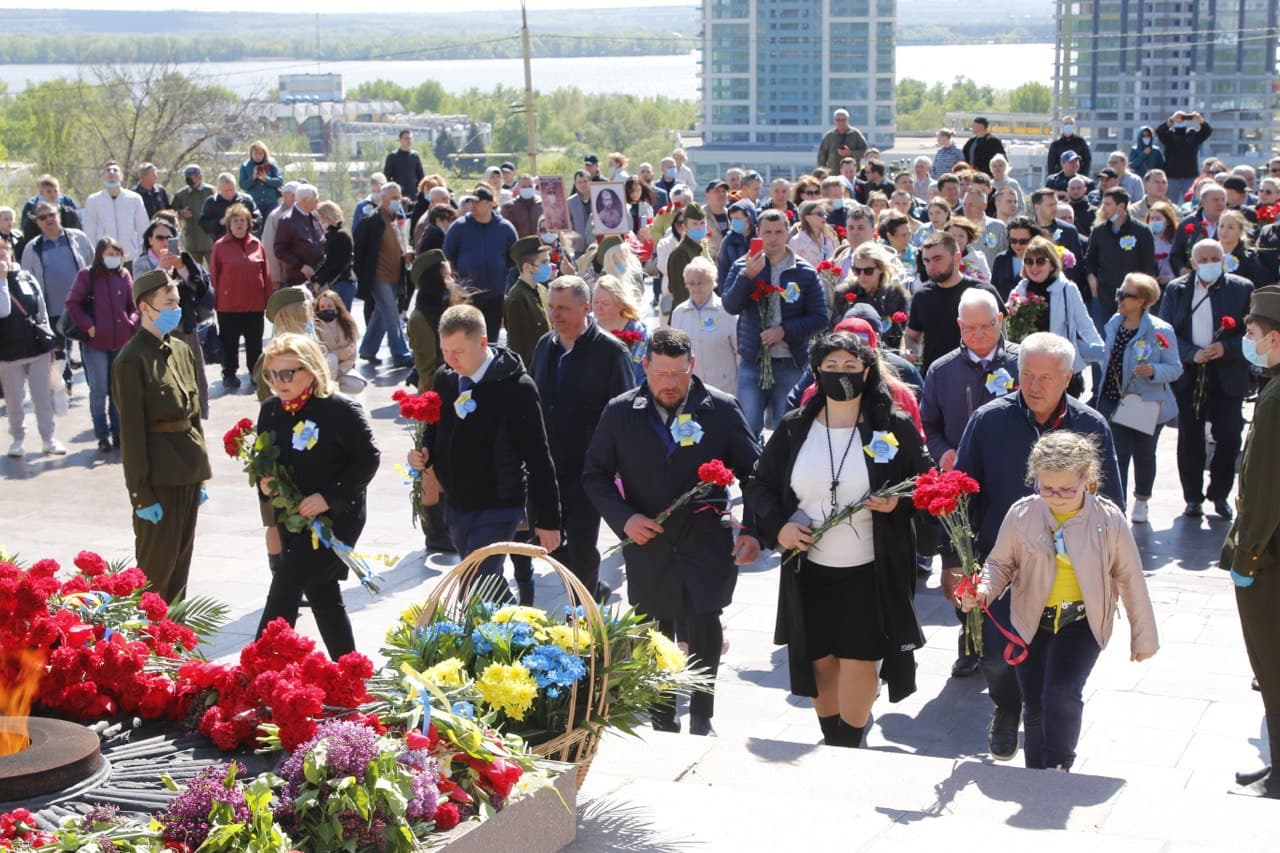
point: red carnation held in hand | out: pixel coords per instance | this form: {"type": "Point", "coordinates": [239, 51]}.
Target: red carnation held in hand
{"type": "Point", "coordinates": [716, 473]}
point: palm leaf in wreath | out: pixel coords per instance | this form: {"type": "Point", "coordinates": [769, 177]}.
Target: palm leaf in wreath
{"type": "Point", "coordinates": [201, 613]}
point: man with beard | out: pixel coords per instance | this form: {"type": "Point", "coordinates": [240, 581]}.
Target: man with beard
{"type": "Point", "coordinates": [936, 305]}
{"type": "Point", "coordinates": [651, 441]}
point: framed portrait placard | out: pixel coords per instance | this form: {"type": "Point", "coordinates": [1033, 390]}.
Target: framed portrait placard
{"type": "Point", "coordinates": [608, 207]}
{"type": "Point", "coordinates": [555, 207]}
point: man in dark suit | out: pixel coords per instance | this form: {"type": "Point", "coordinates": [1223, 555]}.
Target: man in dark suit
{"type": "Point", "coordinates": [578, 368]}
{"type": "Point", "coordinates": [1200, 307]}
{"type": "Point", "coordinates": [1044, 207]}
{"type": "Point", "coordinates": [651, 441]}
{"type": "Point", "coordinates": [1199, 225]}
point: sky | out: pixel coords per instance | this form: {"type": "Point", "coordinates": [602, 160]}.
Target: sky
{"type": "Point", "coordinates": [331, 6]}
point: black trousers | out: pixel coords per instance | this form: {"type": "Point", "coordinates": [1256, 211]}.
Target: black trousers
{"type": "Point", "coordinates": [580, 530]}
{"type": "Point", "coordinates": [234, 325]}
{"type": "Point", "coordinates": [1225, 417]}
{"type": "Point", "coordinates": [1002, 679]}
{"type": "Point", "coordinates": [314, 571]}
{"type": "Point", "coordinates": [703, 634]}
{"type": "Point", "coordinates": [490, 305]}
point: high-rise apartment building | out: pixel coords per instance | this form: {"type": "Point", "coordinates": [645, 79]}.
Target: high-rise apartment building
{"type": "Point", "coordinates": [773, 72]}
{"type": "Point", "coordinates": [1122, 64]}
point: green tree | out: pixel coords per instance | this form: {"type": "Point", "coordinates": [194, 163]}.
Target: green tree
{"type": "Point", "coordinates": [444, 146]}
{"type": "Point", "coordinates": [1030, 98]}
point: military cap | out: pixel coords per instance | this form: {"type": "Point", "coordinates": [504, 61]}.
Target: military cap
{"type": "Point", "coordinates": [526, 246]}
{"type": "Point", "coordinates": [282, 297]}
{"type": "Point", "coordinates": [1266, 303]}
{"type": "Point", "coordinates": [147, 282]}
{"type": "Point", "coordinates": [424, 262]}
{"type": "Point", "coordinates": [693, 210]}
{"type": "Point", "coordinates": [607, 243]}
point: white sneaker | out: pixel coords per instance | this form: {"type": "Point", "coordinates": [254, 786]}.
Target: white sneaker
{"type": "Point", "coordinates": [1139, 514]}
{"type": "Point", "coordinates": [16, 450]}
{"type": "Point", "coordinates": [53, 447]}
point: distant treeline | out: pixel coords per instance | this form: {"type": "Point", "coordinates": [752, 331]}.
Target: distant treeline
{"type": "Point", "coordinates": [117, 48]}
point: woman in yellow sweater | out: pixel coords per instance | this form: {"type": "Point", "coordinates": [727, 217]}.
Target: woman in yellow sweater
{"type": "Point", "coordinates": [1068, 555]}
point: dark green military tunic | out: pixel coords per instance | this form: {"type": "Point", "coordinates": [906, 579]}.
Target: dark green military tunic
{"type": "Point", "coordinates": [153, 383]}
{"type": "Point", "coordinates": [524, 313]}
{"type": "Point", "coordinates": [1253, 545]}
{"type": "Point", "coordinates": [684, 252]}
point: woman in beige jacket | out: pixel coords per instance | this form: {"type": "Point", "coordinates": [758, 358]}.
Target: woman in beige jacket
{"type": "Point", "coordinates": [1068, 555]}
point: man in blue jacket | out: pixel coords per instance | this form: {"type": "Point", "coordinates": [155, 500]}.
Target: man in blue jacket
{"type": "Point", "coordinates": [477, 246]}
{"type": "Point", "coordinates": [1196, 306]}
{"type": "Point", "coordinates": [994, 451]}
{"type": "Point", "coordinates": [795, 313]}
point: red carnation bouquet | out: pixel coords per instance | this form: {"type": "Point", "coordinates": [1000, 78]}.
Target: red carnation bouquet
{"type": "Point", "coordinates": [280, 680]}
{"type": "Point", "coordinates": [713, 474]}
{"type": "Point", "coordinates": [760, 296]}
{"type": "Point", "coordinates": [829, 274]}
{"type": "Point", "coordinates": [630, 337]}
{"type": "Point", "coordinates": [423, 409]}
{"type": "Point", "coordinates": [1267, 213]}
{"type": "Point", "coordinates": [261, 457]}
{"type": "Point", "coordinates": [945, 495]}
{"type": "Point", "coordinates": [1022, 315]}
{"type": "Point", "coordinates": [1201, 393]}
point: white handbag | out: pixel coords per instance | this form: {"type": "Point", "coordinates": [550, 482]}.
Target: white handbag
{"type": "Point", "coordinates": [1137, 414]}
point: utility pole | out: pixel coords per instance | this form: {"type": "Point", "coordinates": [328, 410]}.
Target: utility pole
{"type": "Point", "coordinates": [529, 117]}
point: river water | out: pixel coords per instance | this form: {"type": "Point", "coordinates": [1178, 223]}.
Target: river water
{"type": "Point", "coordinates": [1004, 66]}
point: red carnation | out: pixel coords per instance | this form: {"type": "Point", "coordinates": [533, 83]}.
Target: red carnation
{"type": "Point", "coordinates": [154, 606]}
{"type": "Point", "coordinates": [447, 817]}
{"type": "Point", "coordinates": [90, 564]}
{"type": "Point", "coordinates": [841, 232]}
{"type": "Point", "coordinates": [1164, 342]}
{"type": "Point", "coordinates": [1228, 323]}
{"type": "Point", "coordinates": [851, 297]}
{"type": "Point", "coordinates": [716, 473]}
{"type": "Point", "coordinates": [899, 317]}
{"type": "Point", "coordinates": [791, 215]}
{"type": "Point", "coordinates": [630, 337]}
{"type": "Point", "coordinates": [232, 439]}
{"type": "Point", "coordinates": [1190, 227]}
{"type": "Point", "coordinates": [424, 407]}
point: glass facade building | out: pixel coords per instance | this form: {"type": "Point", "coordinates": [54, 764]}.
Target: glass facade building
{"type": "Point", "coordinates": [773, 72]}
{"type": "Point", "coordinates": [1122, 64]}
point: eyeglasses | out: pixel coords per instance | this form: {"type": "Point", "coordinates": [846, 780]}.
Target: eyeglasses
{"type": "Point", "coordinates": [281, 377]}
{"type": "Point", "coordinates": [811, 193]}
{"type": "Point", "coordinates": [669, 374]}
{"type": "Point", "coordinates": [160, 236]}
{"type": "Point", "coordinates": [974, 330]}
{"type": "Point", "coordinates": [1121, 296]}
{"type": "Point", "coordinates": [866, 270]}
{"type": "Point", "coordinates": [42, 217]}
{"type": "Point", "coordinates": [1015, 241]}
{"type": "Point", "coordinates": [1035, 262]}
{"type": "Point", "coordinates": [1061, 494]}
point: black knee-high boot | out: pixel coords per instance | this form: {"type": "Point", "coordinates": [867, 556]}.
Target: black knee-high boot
{"type": "Point", "coordinates": [1264, 782]}
{"type": "Point", "coordinates": [852, 734]}
{"type": "Point", "coordinates": [830, 729]}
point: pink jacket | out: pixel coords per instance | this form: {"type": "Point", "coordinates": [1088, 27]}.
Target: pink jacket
{"type": "Point", "coordinates": [1103, 554]}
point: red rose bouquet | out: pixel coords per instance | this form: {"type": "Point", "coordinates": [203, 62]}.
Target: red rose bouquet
{"type": "Point", "coordinates": [1227, 324]}
{"type": "Point", "coordinates": [945, 495]}
{"type": "Point", "coordinates": [261, 457]}
{"type": "Point", "coordinates": [713, 474]}
{"type": "Point", "coordinates": [423, 409]}
{"type": "Point", "coordinates": [761, 297]}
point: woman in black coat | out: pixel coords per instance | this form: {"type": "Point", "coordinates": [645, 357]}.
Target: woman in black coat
{"type": "Point", "coordinates": [846, 603]}
{"type": "Point", "coordinates": [327, 445]}
{"type": "Point", "coordinates": [334, 271]}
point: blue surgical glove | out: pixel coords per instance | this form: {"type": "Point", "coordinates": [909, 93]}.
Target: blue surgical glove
{"type": "Point", "coordinates": [204, 496]}
{"type": "Point", "coordinates": [152, 513]}
{"type": "Point", "coordinates": [1241, 580]}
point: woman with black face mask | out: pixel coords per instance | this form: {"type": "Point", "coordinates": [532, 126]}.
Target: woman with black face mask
{"type": "Point", "coordinates": [845, 607]}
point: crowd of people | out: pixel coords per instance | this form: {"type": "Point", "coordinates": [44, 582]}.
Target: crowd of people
{"type": "Point", "coordinates": [824, 338]}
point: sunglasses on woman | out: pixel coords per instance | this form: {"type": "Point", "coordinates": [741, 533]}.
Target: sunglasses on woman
{"type": "Point", "coordinates": [280, 377]}
{"type": "Point", "coordinates": [1035, 262]}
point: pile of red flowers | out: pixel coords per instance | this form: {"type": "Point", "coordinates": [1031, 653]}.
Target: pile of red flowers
{"type": "Point", "coordinates": [19, 825]}
{"type": "Point", "coordinates": [939, 492]}
{"type": "Point", "coordinates": [424, 407]}
{"type": "Point", "coordinates": [280, 679]}
{"type": "Point", "coordinates": [1267, 213]}
{"type": "Point", "coordinates": [96, 633]}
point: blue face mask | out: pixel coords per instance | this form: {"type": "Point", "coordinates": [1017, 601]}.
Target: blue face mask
{"type": "Point", "coordinates": [1249, 349]}
{"type": "Point", "coordinates": [396, 208]}
{"type": "Point", "coordinates": [669, 174]}
{"type": "Point", "coordinates": [311, 328]}
{"type": "Point", "coordinates": [739, 226]}
{"type": "Point", "coordinates": [542, 274]}
{"type": "Point", "coordinates": [697, 234]}
{"type": "Point", "coordinates": [1114, 219]}
{"type": "Point", "coordinates": [1156, 226]}
{"type": "Point", "coordinates": [548, 238]}
{"type": "Point", "coordinates": [620, 269]}
{"type": "Point", "coordinates": [111, 185]}
{"type": "Point", "coordinates": [1210, 271]}
{"type": "Point", "coordinates": [168, 320]}
{"type": "Point", "coordinates": [526, 192]}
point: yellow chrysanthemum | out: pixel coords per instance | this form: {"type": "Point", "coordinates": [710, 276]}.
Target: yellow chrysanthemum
{"type": "Point", "coordinates": [528, 615]}
{"type": "Point", "coordinates": [508, 687]}
{"type": "Point", "coordinates": [569, 639]}
{"type": "Point", "coordinates": [667, 654]}
{"type": "Point", "coordinates": [450, 672]}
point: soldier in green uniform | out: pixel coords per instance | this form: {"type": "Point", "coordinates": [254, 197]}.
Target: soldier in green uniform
{"type": "Point", "coordinates": [1252, 549]}
{"type": "Point", "coordinates": [692, 245]}
{"type": "Point", "coordinates": [524, 312]}
{"type": "Point", "coordinates": [153, 382]}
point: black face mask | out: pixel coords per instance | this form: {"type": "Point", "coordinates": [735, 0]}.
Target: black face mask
{"type": "Point", "coordinates": [327, 316]}
{"type": "Point", "coordinates": [841, 386]}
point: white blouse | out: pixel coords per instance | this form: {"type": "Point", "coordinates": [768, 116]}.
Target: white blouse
{"type": "Point", "coordinates": [850, 543]}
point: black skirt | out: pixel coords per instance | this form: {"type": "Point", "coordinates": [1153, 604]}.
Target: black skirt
{"type": "Point", "coordinates": [841, 612]}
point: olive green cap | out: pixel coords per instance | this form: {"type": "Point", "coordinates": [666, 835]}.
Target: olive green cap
{"type": "Point", "coordinates": [147, 282]}
{"type": "Point", "coordinates": [1266, 303]}
{"type": "Point", "coordinates": [424, 262]}
{"type": "Point", "coordinates": [526, 246]}
{"type": "Point", "coordinates": [282, 297]}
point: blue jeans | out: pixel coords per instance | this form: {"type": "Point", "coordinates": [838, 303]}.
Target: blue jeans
{"type": "Point", "coordinates": [1101, 308]}
{"type": "Point", "coordinates": [471, 530]}
{"type": "Point", "coordinates": [1052, 680]}
{"type": "Point", "coordinates": [1136, 446]}
{"type": "Point", "coordinates": [754, 400]}
{"type": "Point", "coordinates": [97, 372]}
{"type": "Point", "coordinates": [385, 321]}
{"type": "Point", "coordinates": [346, 291]}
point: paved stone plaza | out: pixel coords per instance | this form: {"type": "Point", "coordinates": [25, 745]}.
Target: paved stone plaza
{"type": "Point", "coordinates": [1160, 743]}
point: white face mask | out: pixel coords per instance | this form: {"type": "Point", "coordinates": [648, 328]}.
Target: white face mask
{"type": "Point", "coordinates": [112, 262]}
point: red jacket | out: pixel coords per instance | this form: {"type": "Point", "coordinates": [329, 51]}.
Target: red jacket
{"type": "Point", "coordinates": [115, 318]}
{"type": "Point", "coordinates": [238, 269]}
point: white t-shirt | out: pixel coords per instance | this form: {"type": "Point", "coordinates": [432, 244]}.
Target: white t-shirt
{"type": "Point", "coordinates": [850, 543]}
